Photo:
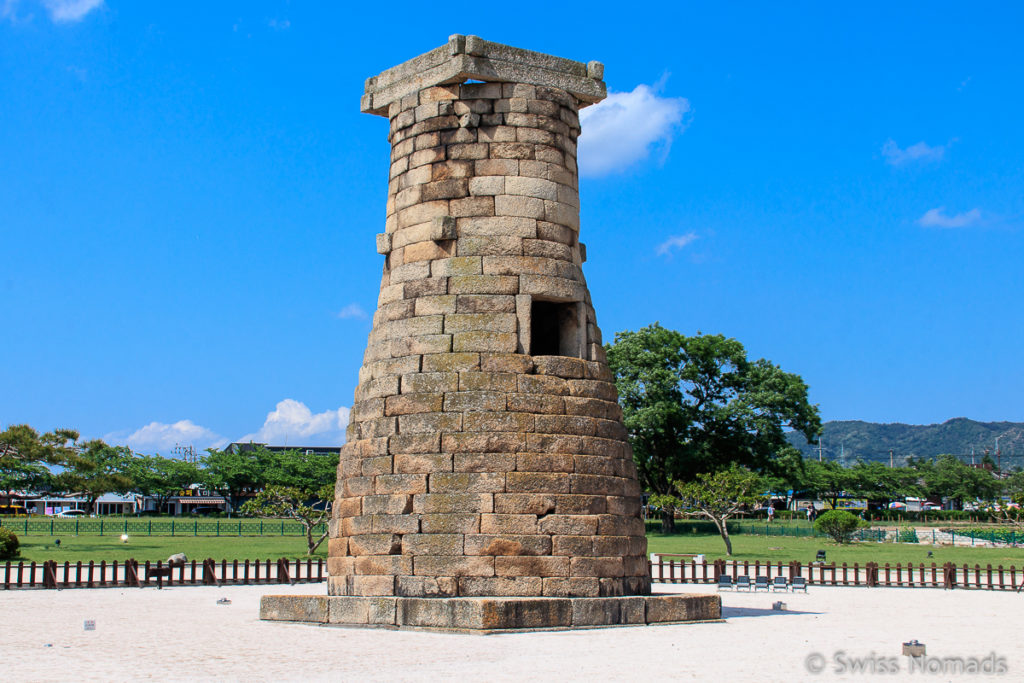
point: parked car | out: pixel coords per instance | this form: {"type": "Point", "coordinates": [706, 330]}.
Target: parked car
{"type": "Point", "coordinates": [929, 507]}
{"type": "Point", "coordinates": [71, 513]}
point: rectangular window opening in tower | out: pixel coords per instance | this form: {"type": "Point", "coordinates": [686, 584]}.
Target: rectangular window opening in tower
{"type": "Point", "coordinates": [555, 328]}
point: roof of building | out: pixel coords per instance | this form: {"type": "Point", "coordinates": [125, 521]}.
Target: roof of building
{"type": "Point", "coordinates": [252, 445]}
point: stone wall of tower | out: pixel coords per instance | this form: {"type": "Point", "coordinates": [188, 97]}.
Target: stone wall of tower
{"type": "Point", "coordinates": [474, 464]}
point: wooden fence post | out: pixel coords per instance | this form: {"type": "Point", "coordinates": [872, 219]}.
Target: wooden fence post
{"type": "Point", "coordinates": [50, 574]}
{"type": "Point", "coordinates": [131, 573]}
{"type": "Point", "coordinates": [283, 575]}
{"type": "Point", "coordinates": [948, 576]}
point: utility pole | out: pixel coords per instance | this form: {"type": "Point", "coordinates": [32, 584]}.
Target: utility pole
{"type": "Point", "coordinates": [820, 442]}
{"type": "Point", "coordinates": [999, 459]}
{"type": "Point", "coordinates": [890, 459]}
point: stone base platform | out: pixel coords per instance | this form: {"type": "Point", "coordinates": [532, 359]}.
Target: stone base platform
{"type": "Point", "coordinates": [490, 614]}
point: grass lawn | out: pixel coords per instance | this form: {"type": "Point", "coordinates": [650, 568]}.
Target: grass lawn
{"type": "Point", "coordinates": [785, 548]}
{"type": "Point", "coordinates": [745, 547]}
{"type": "Point", "coordinates": [142, 548]}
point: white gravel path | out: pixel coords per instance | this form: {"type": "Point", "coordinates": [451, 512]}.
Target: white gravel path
{"type": "Point", "coordinates": [182, 634]}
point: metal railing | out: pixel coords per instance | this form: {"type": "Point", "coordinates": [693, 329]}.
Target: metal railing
{"type": "Point", "coordinates": [158, 527]}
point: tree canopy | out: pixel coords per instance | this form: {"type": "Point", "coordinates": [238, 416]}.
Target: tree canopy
{"type": "Point", "coordinates": [697, 404]}
{"type": "Point", "coordinates": [720, 495]}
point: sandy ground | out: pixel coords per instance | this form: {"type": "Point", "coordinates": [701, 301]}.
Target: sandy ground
{"type": "Point", "coordinates": [183, 634]}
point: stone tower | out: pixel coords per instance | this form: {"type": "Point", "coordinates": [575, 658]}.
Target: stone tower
{"type": "Point", "coordinates": [486, 454]}
{"type": "Point", "coordinates": [486, 484]}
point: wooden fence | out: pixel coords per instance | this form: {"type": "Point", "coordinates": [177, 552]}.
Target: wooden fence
{"type": "Point", "coordinates": [871, 574]}
{"type": "Point", "coordinates": [132, 573]}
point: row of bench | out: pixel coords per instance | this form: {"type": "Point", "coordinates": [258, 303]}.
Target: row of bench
{"type": "Point", "coordinates": [780, 583]}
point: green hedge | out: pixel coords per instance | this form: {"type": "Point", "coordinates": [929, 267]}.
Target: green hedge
{"type": "Point", "coordinates": [991, 535]}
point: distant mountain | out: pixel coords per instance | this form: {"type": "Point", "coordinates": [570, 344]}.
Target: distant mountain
{"type": "Point", "coordinates": [850, 440]}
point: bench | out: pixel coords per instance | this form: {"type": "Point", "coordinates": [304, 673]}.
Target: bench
{"type": "Point", "coordinates": [674, 556]}
{"type": "Point", "coordinates": [160, 573]}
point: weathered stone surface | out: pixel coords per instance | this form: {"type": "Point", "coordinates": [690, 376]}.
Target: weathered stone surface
{"type": "Point", "coordinates": [308, 608]}
{"type": "Point", "coordinates": [473, 467]}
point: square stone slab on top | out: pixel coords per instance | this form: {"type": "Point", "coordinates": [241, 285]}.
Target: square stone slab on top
{"type": "Point", "coordinates": [470, 57]}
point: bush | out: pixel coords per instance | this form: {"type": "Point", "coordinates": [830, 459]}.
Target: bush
{"type": "Point", "coordinates": [840, 525]}
{"type": "Point", "coordinates": [9, 544]}
{"type": "Point", "coordinates": [907, 534]}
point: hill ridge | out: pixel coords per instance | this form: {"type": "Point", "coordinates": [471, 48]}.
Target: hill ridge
{"type": "Point", "coordinates": [852, 440]}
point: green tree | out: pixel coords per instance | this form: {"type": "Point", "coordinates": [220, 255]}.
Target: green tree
{"type": "Point", "coordinates": [162, 478]}
{"type": "Point", "coordinates": [235, 474]}
{"type": "Point", "coordinates": [697, 404]}
{"type": "Point", "coordinates": [25, 456]}
{"type": "Point", "coordinates": [308, 508]}
{"type": "Point", "coordinates": [720, 495]}
{"type": "Point", "coordinates": [299, 486]}
{"type": "Point", "coordinates": [96, 468]}
{"type": "Point", "coordinates": [839, 524]}
{"type": "Point", "coordinates": [304, 471]}
{"type": "Point", "coordinates": [827, 480]}
{"type": "Point", "coordinates": [241, 474]}
{"type": "Point", "coordinates": [949, 477]}
{"type": "Point", "coordinates": [879, 482]}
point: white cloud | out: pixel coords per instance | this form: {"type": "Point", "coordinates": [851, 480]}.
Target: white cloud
{"type": "Point", "coordinates": [279, 24]}
{"type": "Point", "coordinates": [920, 153]}
{"type": "Point", "coordinates": [70, 10]}
{"type": "Point", "coordinates": [675, 242]}
{"type": "Point", "coordinates": [353, 311]}
{"type": "Point", "coordinates": [936, 218]}
{"type": "Point", "coordinates": [625, 127]}
{"type": "Point", "coordinates": [159, 437]}
{"type": "Point", "coordinates": [292, 422]}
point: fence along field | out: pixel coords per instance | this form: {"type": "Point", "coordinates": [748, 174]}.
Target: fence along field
{"type": "Point", "coordinates": [130, 573]}
{"type": "Point", "coordinates": [870, 574]}
{"type": "Point", "coordinates": [158, 527]}
{"type": "Point", "coordinates": [51, 574]}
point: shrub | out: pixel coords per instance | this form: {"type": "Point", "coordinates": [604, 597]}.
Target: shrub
{"type": "Point", "coordinates": [907, 534]}
{"type": "Point", "coordinates": [840, 525]}
{"type": "Point", "coordinates": [8, 544]}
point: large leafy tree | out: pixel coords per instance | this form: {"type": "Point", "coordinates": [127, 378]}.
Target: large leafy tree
{"type": "Point", "coordinates": [25, 456]}
{"type": "Point", "coordinates": [96, 468]}
{"type": "Point", "coordinates": [299, 486]}
{"type": "Point", "coordinates": [949, 477]}
{"type": "Point", "coordinates": [161, 478]}
{"type": "Point", "coordinates": [240, 475]}
{"type": "Point", "coordinates": [235, 474]}
{"type": "Point", "coordinates": [878, 482]}
{"type": "Point", "coordinates": [698, 404]}
{"type": "Point", "coordinates": [296, 469]}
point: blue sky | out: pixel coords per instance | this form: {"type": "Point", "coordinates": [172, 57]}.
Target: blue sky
{"type": "Point", "coordinates": [190, 196]}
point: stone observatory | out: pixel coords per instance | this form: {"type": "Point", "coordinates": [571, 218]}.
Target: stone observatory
{"type": "Point", "coordinates": [486, 482]}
